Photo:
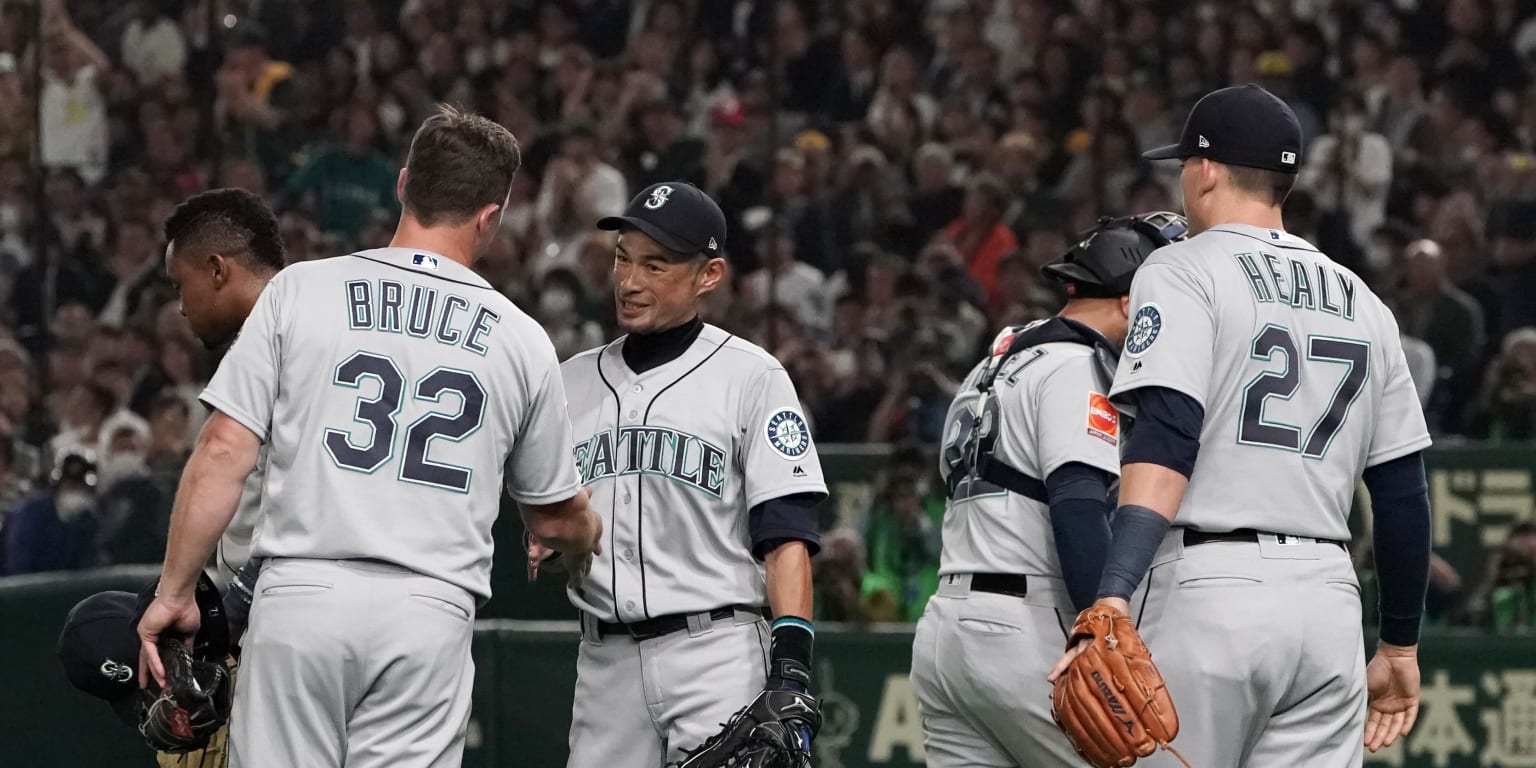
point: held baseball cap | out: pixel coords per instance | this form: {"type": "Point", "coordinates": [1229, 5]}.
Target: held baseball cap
{"type": "Point", "coordinates": [1241, 125]}
{"type": "Point", "coordinates": [99, 650]}
{"type": "Point", "coordinates": [676, 214]}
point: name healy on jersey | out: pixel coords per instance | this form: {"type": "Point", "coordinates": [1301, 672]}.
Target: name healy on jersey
{"type": "Point", "coordinates": [449, 319]}
{"type": "Point", "coordinates": [649, 450]}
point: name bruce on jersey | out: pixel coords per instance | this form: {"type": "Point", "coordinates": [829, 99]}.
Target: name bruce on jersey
{"type": "Point", "coordinates": [653, 451]}
{"type": "Point", "coordinates": [1298, 285]}
{"type": "Point", "coordinates": [447, 319]}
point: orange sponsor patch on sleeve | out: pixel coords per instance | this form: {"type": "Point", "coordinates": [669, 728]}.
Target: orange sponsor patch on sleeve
{"type": "Point", "coordinates": [1103, 419]}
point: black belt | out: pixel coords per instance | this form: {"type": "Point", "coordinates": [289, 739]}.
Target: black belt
{"type": "Point", "coordinates": [666, 625]}
{"type": "Point", "coordinates": [1011, 584]}
{"type": "Point", "coordinates": [1193, 537]}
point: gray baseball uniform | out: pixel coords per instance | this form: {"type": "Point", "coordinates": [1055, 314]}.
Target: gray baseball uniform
{"type": "Point", "coordinates": [979, 659]}
{"type": "Point", "coordinates": [675, 457]}
{"type": "Point", "coordinates": [395, 390]}
{"type": "Point", "coordinates": [1303, 382]}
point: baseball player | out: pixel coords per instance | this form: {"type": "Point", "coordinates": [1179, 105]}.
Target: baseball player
{"type": "Point", "coordinates": [702, 467]}
{"type": "Point", "coordinates": [1264, 379]}
{"type": "Point", "coordinates": [371, 378]}
{"type": "Point", "coordinates": [222, 248]}
{"type": "Point", "coordinates": [1031, 447]}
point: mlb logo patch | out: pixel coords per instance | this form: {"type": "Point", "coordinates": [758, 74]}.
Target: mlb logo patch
{"type": "Point", "coordinates": [424, 260]}
{"type": "Point", "coordinates": [1103, 419]}
{"type": "Point", "coordinates": [1273, 235]}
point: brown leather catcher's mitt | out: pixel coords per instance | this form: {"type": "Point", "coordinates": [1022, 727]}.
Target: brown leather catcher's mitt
{"type": "Point", "coordinates": [1112, 702]}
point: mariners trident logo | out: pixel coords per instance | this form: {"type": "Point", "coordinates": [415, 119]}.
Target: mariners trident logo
{"type": "Point", "coordinates": [1145, 327]}
{"type": "Point", "coordinates": [787, 434]}
{"type": "Point", "coordinates": [659, 197]}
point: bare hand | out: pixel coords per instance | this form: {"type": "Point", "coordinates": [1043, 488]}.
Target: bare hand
{"type": "Point", "coordinates": [1392, 683]}
{"type": "Point", "coordinates": [168, 618]}
{"type": "Point", "coordinates": [1065, 662]}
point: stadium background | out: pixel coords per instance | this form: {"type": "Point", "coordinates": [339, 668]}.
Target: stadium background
{"type": "Point", "coordinates": [894, 172]}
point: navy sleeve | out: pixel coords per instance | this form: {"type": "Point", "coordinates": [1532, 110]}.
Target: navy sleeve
{"type": "Point", "coordinates": [1166, 430]}
{"type": "Point", "coordinates": [784, 519]}
{"type": "Point", "coordinates": [1401, 540]}
{"type": "Point", "coordinates": [1079, 503]}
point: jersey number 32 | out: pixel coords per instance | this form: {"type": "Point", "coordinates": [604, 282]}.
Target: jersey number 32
{"type": "Point", "coordinates": [378, 413]}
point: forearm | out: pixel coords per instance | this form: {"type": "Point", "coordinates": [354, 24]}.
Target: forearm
{"type": "Point", "coordinates": [565, 526]}
{"type": "Point", "coordinates": [1401, 540]}
{"type": "Point", "coordinates": [205, 502]}
{"type": "Point", "coordinates": [1080, 526]}
{"type": "Point", "coordinates": [788, 569]}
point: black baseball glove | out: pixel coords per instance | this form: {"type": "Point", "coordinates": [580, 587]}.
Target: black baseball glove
{"type": "Point", "coordinates": [193, 705]}
{"type": "Point", "coordinates": [774, 731]}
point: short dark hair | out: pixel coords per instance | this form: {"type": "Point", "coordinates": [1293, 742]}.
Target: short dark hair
{"type": "Point", "coordinates": [232, 222]}
{"type": "Point", "coordinates": [459, 162]}
{"type": "Point", "coordinates": [1267, 185]}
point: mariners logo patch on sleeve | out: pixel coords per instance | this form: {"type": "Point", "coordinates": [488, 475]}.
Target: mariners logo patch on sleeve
{"type": "Point", "coordinates": [788, 434]}
{"type": "Point", "coordinates": [1103, 419]}
{"type": "Point", "coordinates": [1145, 327]}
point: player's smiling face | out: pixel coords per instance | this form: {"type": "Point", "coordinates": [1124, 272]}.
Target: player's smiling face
{"type": "Point", "coordinates": [654, 289]}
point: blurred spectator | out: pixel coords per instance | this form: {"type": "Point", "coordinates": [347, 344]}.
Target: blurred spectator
{"type": "Point", "coordinates": [903, 535]}
{"type": "Point", "coordinates": [152, 45]}
{"type": "Point", "coordinates": [1434, 310]}
{"type": "Point", "coordinates": [1349, 170]}
{"type": "Point", "coordinates": [133, 511]}
{"type": "Point", "coordinates": [1506, 600]}
{"type": "Point", "coordinates": [979, 232]}
{"type": "Point", "coordinates": [55, 530]}
{"type": "Point", "coordinates": [348, 183]}
{"type": "Point", "coordinates": [795, 285]}
{"type": "Point", "coordinates": [1506, 406]}
{"type": "Point", "coordinates": [74, 110]}
{"type": "Point", "coordinates": [256, 99]}
{"type": "Point", "coordinates": [560, 302]}
{"type": "Point", "coordinates": [579, 188]}
{"type": "Point", "coordinates": [844, 589]}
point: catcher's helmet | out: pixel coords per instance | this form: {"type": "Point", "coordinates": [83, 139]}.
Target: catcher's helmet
{"type": "Point", "coordinates": [1105, 259]}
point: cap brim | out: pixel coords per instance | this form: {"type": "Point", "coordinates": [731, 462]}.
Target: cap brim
{"type": "Point", "coordinates": [667, 239]}
{"type": "Point", "coordinates": [1169, 152]}
{"type": "Point", "coordinates": [1069, 273]}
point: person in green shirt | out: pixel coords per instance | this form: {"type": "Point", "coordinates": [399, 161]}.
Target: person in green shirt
{"type": "Point", "coordinates": [903, 539]}
{"type": "Point", "coordinates": [347, 184]}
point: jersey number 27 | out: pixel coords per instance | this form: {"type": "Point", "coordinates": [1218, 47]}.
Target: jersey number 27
{"type": "Point", "coordinates": [379, 413]}
{"type": "Point", "coordinates": [1255, 430]}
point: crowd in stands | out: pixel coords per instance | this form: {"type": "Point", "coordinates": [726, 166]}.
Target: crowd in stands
{"type": "Point", "coordinates": [894, 173]}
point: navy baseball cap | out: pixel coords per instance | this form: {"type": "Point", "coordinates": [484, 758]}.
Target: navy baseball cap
{"type": "Point", "coordinates": [1241, 125]}
{"type": "Point", "coordinates": [676, 214]}
{"type": "Point", "coordinates": [99, 650]}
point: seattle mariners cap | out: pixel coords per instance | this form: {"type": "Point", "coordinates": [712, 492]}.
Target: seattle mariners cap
{"type": "Point", "coordinates": [1241, 125]}
{"type": "Point", "coordinates": [676, 214]}
{"type": "Point", "coordinates": [99, 649]}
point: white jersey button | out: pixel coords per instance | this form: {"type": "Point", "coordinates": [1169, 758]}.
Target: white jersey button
{"type": "Point", "coordinates": [629, 605]}
{"type": "Point", "coordinates": [633, 414]}
{"type": "Point", "coordinates": [629, 554]}
{"type": "Point", "coordinates": [626, 497]}
{"type": "Point", "coordinates": [639, 389]}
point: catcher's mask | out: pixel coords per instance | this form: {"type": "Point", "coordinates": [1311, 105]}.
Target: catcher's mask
{"type": "Point", "coordinates": [1107, 256]}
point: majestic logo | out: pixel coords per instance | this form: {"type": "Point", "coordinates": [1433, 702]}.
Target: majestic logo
{"type": "Point", "coordinates": [659, 197]}
{"type": "Point", "coordinates": [117, 673]}
{"type": "Point", "coordinates": [787, 434]}
{"type": "Point", "coordinates": [1288, 158]}
{"type": "Point", "coordinates": [1204, 144]}
{"type": "Point", "coordinates": [798, 472]}
{"type": "Point", "coordinates": [1103, 419]}
{"type": "Point", "coordinates": [1145, 328]}
{"type": "Point", "coordinates": [424, 260]}
{"type": "Point", "coordinates": [646, 450]}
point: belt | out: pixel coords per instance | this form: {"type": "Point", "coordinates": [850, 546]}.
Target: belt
{"type": "Point", "coordinates": [1193, 537]}
{"type": "Point", "coordinates": [666, 625]}
{"type": "Point", "coordinates": [1011, 584]}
